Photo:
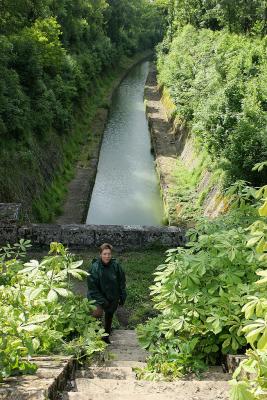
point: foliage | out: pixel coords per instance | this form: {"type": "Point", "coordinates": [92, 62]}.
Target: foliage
{"type": "Point", "coordinates": [56, 55]}
{"type": "Point", "coordinates": [200, 292]}
{"type": "Point", "coordinates": [250, 378]}
{"type": "Point", "coordinates": [135, 24]}
{"type": "Point", "coordinates": [186, 195]}
{"type": "Point", "coordinates": [239, 16]}
{"type": "Point", "coordinates": [39, 312]}
{"type": "Point", "coordinates": [217, 81]}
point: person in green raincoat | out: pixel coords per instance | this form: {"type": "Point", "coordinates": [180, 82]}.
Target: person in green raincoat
{"type": "Point", "coordinates": [107, 286]}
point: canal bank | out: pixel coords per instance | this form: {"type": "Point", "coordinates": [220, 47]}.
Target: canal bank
{"type": "Point", "coordinates": [80, 188]}
{"type": "Point", "coordinates": [190, 182]}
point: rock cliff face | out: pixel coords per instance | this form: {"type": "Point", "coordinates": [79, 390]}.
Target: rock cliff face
{"type": "Point", "coordinates": [175, 149]}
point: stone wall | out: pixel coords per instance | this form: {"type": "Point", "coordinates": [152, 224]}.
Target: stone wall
{"type": "Point", "coordinates": [91, 236]}
{"type": "Point", "coordinates": [9, 212]}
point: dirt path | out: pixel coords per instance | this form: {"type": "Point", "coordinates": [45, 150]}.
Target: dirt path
{"type": "Point", "coordinates": [115, 379]}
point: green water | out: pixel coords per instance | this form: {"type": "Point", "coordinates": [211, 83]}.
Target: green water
{"type": "Point", "coordinates": [126, 190]}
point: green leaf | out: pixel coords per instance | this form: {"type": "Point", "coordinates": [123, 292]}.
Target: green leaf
{"type": "Point", "coordinates": [241, 391]}
{"type": "Point", "coordinates": [76, 264]}
{"type": "Point", "coordinates": [62, 292]}
{"type": "Point", "coordinates": [52, 296]}
{"type": "Point", "coordinates": [252, 336]}
{"type": "Point", "coordinates": [262, 343]}
{"type": "Point", "coordinates": [31, 327]}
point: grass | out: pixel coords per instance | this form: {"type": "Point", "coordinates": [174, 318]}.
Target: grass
{"type": "Point", "coordinates": [139, 268]}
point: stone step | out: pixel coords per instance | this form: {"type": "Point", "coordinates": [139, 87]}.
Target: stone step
{"type": "Point", "coordinates": [125, 363]}
{"type": "Point", "coordinates": [215, 374]}
{"type": "Point", "coordinates": [116, 347]}
{"type": "Point", "coordinates": [125, 332]}
{"type": "Point", "coordinates": [86, 396]}
{"type": "Point", "coordinates": [104, 372]}
{"type": "Point", "coordinates": [127, 354]}
{"type": "Point", "coordinates": [124, 335]}
{"type": "Point", "coordinates": [125, 342]}
{"type": "Point", "coordinates": [126, 388]}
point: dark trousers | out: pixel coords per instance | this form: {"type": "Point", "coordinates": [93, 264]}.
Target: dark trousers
{"type": "Point", "coordinates": [98, 313]}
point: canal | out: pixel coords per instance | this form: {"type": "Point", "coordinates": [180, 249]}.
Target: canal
{"type": "Point", "coordinates": [126, 190]}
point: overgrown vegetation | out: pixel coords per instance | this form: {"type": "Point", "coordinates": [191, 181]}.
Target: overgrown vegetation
{"type": "Point", "coordinates": [54, 55]}
{"type": "Point", "coordinates": [186, 196]}
{"type": "Point", "coordinates": [217, 80]}
{"type": "Point", "coordinates": [212, 65]}
{"type": "Point", "coordinates": [239, 16]}
{"type": "Point", "coordinates": [39, 312]}
{"type": "Point", "coordinates": [250, 378]}
{"type": "Point", "coordinates": [202, 293]}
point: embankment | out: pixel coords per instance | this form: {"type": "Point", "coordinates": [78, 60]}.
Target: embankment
{"type": "Point", "coordinates": [190, 185]}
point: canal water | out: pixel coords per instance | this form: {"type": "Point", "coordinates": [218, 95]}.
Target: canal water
{"type": "Point", "coordinates": [126, 190]}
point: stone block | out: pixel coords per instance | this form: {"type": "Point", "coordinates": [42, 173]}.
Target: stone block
{"type": "Point", "coordinates": [8, 234]}
{"type": "Point", "coordinates": [44, 234]}
{"type": "Point", "coordinates": [109, 234]}
{"type": "Point", "coordinates": [9, 212]}
{"type": "Point", "coordinates": [77, 235]}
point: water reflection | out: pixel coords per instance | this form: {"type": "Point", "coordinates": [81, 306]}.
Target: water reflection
{"type": "Point", "coordinates": [126, 190]}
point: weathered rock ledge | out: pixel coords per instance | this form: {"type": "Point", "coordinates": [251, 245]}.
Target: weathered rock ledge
{"type": "Point", "coordinates": [51, 377]}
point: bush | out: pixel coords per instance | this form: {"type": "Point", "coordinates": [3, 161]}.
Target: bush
{"type": "Point", "coordinates": [217, 81]}
{"type": "Point", "coordinates": [200, 293]}
{"type": "Point", "coordinates": [39, 313]}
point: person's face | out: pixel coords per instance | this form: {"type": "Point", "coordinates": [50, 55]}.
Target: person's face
{"type": "Point", "coordinates": [106, 256]}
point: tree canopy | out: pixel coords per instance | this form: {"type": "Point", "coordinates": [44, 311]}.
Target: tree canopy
{"type": "Point", "coordinates": [54, 50]}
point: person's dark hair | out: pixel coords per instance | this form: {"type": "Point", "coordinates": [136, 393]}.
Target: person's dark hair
{"type": "Point", "coordinates": [105, 246]}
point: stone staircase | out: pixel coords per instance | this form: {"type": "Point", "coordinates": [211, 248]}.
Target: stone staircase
{"type": "Point", "coordinates": [115, 379]}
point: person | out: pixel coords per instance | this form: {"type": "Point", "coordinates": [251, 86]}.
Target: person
{"type": "Point", "coordinates": [107, 286]}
